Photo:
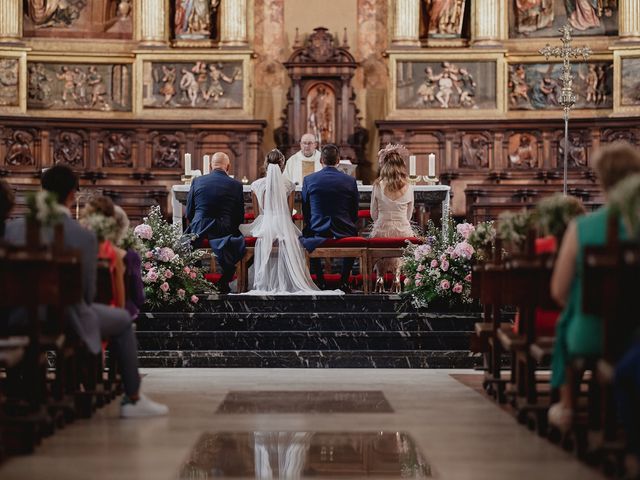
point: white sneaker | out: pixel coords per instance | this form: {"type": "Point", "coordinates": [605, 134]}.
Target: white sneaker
{"type": "Point", "coordinates": [144, 407]}
{"type": "Point", "coordinates": [560, 417]}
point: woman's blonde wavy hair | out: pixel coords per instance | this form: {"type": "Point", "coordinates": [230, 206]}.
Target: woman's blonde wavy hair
{"type": "Point", "coordinates": [393, 172]}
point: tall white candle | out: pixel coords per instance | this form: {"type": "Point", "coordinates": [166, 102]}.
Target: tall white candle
{"type": "Point", "coordinates": [412, 165]}
{"type": "Point", "coordinates": [432, 165]}
{"type": "Point", "coordinates": [206, 165]}
{"type": "Point", "coordinates": [187, 164]}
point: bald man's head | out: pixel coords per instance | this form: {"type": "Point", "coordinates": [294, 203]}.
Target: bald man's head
{"type": "Point", "coordinates": [220, 161]}
{"type": "Point", "coordinates": [308, 144]}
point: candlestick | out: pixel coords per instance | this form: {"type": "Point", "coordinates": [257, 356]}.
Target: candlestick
{"type": "Point", "coordinates": [432, 165]}
{"type": "Point", "coordinates": [187, 164]}
{"type": "Point", "coordinates": [206, 165]}
{"type": "Point", "coordinates": [412, 165]}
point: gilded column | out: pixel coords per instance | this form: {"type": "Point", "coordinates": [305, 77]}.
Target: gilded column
{"type": "Point", "coordinates": [10, 20]}
{"type": "Point", "coordinates": [488, 22]}
{"type": "Point", "coordinates": [154, 30]}
{"type": "Point", "coordinates": [406, 23]}
{"type": "Point", "coordinates": [629, 20]}
{"type": "Point", "coordinates": [233, 28]}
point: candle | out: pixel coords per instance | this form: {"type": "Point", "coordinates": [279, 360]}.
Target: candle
{"type": "Point", "coordinates": [412, 166]}
{"type": "Point", "coordinates": [187, 164]}
{"type": "Point", "coordinates": [432, 165]}
{"type": "Point", "coordinates": [206, 165]}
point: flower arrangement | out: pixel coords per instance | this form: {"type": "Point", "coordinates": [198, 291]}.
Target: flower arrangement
{"type": "Point", "coordinates": [513, 228]}
{"type": "Point", "coordinates": [43, 207]}
{"type": "Point", "coordinates": [553, 214]}
{"type": "Point", "coordinates": [169, 269]}
{"type": "Point", "coordinates": [104, 227]}
{"type": "Point", "coordinates": [483, 238]}
{"type": "Point", "coordinates": [440, 268]}
{"type": "Point", "coordinates": [625, 201]}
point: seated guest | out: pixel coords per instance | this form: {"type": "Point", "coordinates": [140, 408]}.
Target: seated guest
{"type": "Point", "coordinates": [133, 285]}
{"type": "Point", "coordinates": [215, 209]}
{"type": "Point", "coordinates": [391, 207]}
{"type": "Point", "coordinates": [579, 334]}
{"type": "Point", "coordinates": [99, 217]}
{"type": "Point", "coordinates": [627, 392]}
{"type": "Point", "coordinates": [92, 321]}
{"type": "Point", "coordinates": [6, 204]}
{"type": "Point", "coordinates": [330, 209]}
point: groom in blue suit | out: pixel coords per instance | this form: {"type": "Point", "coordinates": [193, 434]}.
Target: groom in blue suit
{"type": "Point", "coordinates": [215, 209]}
{"type": "Point", "coordinates": [330, 209]}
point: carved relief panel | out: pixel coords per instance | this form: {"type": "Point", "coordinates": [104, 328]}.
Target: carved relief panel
{"type": "Point", "coordinates": [543, 18]}
{"type": "Point", "coordinates": [82, 86]}
{"type": "Point", "coordinates": [629, 68]}
{"type": "Point", "coordinates": [18, 147]}
{"type": "Point", "coordinates": [578, 150]}
{"type": "Point", "coordinates": [116, 149]}
{"type": "Point", "coordinates": [537, 86]}
{"type": "Point", "coordinates": [166, 150]}
{"type": "Point", "coordinates": [523, 150]}
{"type": "Point", "coordinates": [476, 151]}
{"type": "Point", "coordinates": [9, 82]}
{"type": "Point", "coordinates": [69, 148]}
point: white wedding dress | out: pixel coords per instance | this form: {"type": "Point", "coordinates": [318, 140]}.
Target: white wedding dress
{"type": "Point", "coordinates": [279, 264]}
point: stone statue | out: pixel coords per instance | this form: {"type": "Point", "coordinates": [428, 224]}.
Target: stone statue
{"type": "Point", "coordinates": [445, 17]}
{"type": "Point", "coordinates": [533, 15]}
{"type": "Point", "coordinates": [320, 119]}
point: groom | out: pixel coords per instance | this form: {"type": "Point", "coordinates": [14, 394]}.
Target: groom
{"type": "Point", "coordinates": [215, 209]}
{"type": "Point", "coordinates": [330, 209]}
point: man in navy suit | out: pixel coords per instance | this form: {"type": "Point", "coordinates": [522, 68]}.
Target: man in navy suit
{"type": "Point", "coordinates": [330, 209]}
{"type": "Point", "coordinates": [215, 209]}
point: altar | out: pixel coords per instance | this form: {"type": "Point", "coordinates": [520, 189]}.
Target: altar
{"type": "Point", "coordinates": [425, 197]}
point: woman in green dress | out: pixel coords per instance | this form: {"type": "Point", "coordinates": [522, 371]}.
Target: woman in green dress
{"type": "Point", "coordinates": [577, 333]}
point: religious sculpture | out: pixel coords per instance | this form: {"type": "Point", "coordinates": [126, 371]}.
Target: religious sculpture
{"type": "Point", "coordinates": [68, 149]}
{"type": "Point", "coordinates": [577, 153]}
{"type": "Point", "coordinates": [445, 17]}
{"type": "Point", "coordinates": [193, 18]}
{"type": "Point", "coordinates": [522, 151]}
{"type": "Point", "coordinates": [19, 152]}
{"type": "Point", "coordinates": [54, 13]}
{"type": "Point", "coordinates": [532, 15]}
{"type": "Point", "coordinates": [320, 117]}
{"type": "Point", "coordinates": [475, 152]}
{"type": "Point", "coordinates": [201, 85]}
{"type": "Point", "coordinates": [117, 150]}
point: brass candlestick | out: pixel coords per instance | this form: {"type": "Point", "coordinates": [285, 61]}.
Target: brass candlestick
{"type": "Point", "coordinates": [414, 179]}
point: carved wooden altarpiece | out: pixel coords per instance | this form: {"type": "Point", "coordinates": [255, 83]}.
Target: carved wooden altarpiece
{"type": "Point", "coordinates": [321, 99]}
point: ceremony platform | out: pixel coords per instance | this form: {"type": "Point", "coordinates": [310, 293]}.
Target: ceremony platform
{"type": "Point", "coordinates": [351, 331]}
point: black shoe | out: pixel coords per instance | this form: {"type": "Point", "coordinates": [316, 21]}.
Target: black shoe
{"type": "Point", "coordinates": [346, 288]}
{"type": "Point", "coordinates": [224, 289]}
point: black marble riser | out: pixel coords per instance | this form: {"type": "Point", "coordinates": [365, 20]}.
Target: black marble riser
{"type": "Point", "coordinates": [279, 341]}
{"type": "Point", "coordinates": [308, 359]}
{"type": "Point", "coordinates": [291, 321]}
{"type": "Point", "coordinates": [304, 303]}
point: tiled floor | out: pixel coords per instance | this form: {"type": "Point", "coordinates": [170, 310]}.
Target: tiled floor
{"type": "Point", "coordinates": [432, 426]}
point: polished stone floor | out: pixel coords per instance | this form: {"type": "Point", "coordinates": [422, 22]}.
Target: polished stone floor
{"type": "Point", "coordinates": [416, 424]}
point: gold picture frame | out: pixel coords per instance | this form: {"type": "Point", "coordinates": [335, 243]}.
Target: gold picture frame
{"type": "Point", "coordinates": [619, 57]}
{"type": "Point", "coordinates": [244, 111]}
{"type": "Point", "coordinates": [20, 55]}
{"type": "Point", "coordinates": [396, 111]}
{"type": "Point", "coordinates": [90, 60]}
{"type": "Point", "coordinates": [555, 113]}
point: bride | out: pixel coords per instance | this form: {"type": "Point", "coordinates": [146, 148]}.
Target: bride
{"type": "Point", "coordinates": [279, 265]}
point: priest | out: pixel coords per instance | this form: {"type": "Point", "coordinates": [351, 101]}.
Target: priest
{"type": "Point", "coordinates": [305, 162]}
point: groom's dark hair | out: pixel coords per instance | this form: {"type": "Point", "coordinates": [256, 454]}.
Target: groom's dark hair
{"type": "Point", "coordinates": [329, 155]}
{"type": "Point", "coordinates": [59, 180]}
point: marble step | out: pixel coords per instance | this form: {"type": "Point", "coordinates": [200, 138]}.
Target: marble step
{"type": "Point", "coordinates": [305, 303]}
{"type": "Point", "coordinates": [311, 341]}
{"type": "Point", "coordinates": [307, 321]}
{"type": "Point", "coordinates": [308, 359]}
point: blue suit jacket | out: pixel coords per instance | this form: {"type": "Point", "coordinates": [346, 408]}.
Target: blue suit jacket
{"type": "Point", "coordinates": [330, 207]}
{"type": "Point", "coordinates": [215, 206]}
{"type": "Point", "coordinates": [215, 209]}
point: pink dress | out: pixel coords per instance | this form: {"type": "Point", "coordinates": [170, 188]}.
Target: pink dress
{"type": "Point", "coordinates": [391, 219]}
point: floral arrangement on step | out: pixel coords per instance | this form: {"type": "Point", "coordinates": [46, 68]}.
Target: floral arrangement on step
{"type": "Point", "coordinates": [625, 201]}
{"type": "Point", "coordinates": [440, 268]}
{"type": "Point", "coordinates": [170, 273]}
{"type": "Point", "coordinates": [43, 207]}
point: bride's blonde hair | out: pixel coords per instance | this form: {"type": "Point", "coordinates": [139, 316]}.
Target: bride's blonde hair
{"type": "Point", "coordinates": [393, 172]}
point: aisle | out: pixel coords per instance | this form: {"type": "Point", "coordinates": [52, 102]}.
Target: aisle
{"type": "Point", "coordinates": [446, 429]}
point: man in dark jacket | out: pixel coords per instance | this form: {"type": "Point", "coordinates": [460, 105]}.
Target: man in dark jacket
{"type": "Point", "coordinates": [215, 209]}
